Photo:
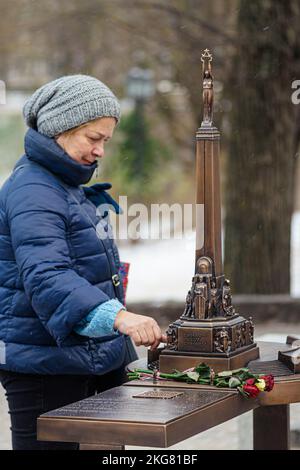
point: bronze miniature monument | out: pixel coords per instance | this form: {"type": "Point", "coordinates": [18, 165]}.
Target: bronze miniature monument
{"type": "Point", "coordinates": [209, 330]}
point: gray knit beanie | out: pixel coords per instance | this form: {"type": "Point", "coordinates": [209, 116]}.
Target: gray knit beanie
{"type": "Point", "coordinates": [68, 102]}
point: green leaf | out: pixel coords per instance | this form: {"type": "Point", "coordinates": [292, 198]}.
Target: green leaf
{"type": "Point", "coordinates": [234, 382]}
{"type": "Point", "coordinates": [202, 368]}
{"type": "Point", "coordinates": [204, 381]}
{"type": "Point", "coordinates": [226, 373]}
{"type": "Point", "coordinates": [246, 375]}
{"type": "Point", "coordinates": [242, 392]}
{"type": "Point", "coordinates": [144, 371]}
{"type": "Point", "coordinates": [175, 376]}
{"type": "Point", "coordinates": [193, 375]}
{"type": "Point", "coordinates": [204, 372]}
{"type": "Point", "coordinates": [238, 371]}
{"type": "Point", "coordinates": [221, 383]}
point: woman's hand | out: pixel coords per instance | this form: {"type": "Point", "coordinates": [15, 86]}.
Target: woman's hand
{"type": "Point", "coordinates": [143, 330]}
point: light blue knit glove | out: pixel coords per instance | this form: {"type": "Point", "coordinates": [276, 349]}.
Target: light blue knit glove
{"type": "Point", "coordinates": [100, 321]}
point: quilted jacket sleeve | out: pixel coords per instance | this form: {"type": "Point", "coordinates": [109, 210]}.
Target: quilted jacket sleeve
{"type": "Point", "coordinates": [38, 219]}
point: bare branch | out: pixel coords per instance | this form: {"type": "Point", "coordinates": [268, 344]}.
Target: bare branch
{"type": "Point", "coordinates": [183, 15]}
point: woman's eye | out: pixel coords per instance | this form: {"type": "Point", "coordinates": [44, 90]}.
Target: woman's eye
{"type": "Point", "coordinates": [96, 139]}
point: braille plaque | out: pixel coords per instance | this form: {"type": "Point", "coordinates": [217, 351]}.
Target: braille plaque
{"type": "Point", "coordinates": [275, 368]}
{"type": "Point", "coordinates": [162, 394]}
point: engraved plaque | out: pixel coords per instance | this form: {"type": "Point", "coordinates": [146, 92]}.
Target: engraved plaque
{"type": "Point", "coordinates": [120, 404]}
{"type": "Point", "coordinates": [160, 394]}
{"type": "Point", "coordinates": [195, 339]}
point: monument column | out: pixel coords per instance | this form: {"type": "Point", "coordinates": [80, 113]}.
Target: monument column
{"type": "Point", "coordinates": [208, 176]}
{"type": "Point", "coordinates": [209, 330]}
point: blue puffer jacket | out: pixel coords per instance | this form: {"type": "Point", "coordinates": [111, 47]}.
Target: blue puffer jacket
{"type": "Point", "coordinates": [54, 269]}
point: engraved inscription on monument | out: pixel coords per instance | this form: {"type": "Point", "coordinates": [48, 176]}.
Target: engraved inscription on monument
{"type": "Point", "coordinates": [195, 339]}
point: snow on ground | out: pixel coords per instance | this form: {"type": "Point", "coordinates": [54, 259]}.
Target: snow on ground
{"type": "Point", "coordinates": [162, 270]}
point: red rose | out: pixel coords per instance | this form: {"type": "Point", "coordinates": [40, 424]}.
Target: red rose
{"type": "Point", "coordinates": [252, 390]}
{"type": "Point", "coordinates": [269, 379]}
{"type": "Point", "coordinates": [250, 381]}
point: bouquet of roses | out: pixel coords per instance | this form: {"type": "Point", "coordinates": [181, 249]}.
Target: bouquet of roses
{"type": "Point", "coordinates": [247, 383]}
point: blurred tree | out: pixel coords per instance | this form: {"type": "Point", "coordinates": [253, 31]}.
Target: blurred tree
{"type": "Point", "coordinates": [137, 157]}
{"type": "Point", "coordinates": [42, 40]}
{"type": "Point", "coordinates": [7, 39]}
{"type": "Point", "coordinates": [261, 160]}
{"type": "Point", "coordinates": [101, 38]}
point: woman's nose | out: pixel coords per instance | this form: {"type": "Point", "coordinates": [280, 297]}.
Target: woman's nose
{"type": "Point", "coordinates": [98, 151]}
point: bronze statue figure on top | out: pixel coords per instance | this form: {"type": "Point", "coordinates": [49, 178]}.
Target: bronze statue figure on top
{"type": "Point", "coordinates": [208, 84]}
{"type": "Point", "coordinates": [209, 330]}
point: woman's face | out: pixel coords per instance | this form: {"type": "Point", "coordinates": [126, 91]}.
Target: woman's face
{"type": "Point", "coordinates": [87, 143]}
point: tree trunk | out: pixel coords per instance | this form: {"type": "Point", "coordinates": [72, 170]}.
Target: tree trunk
{"type": "Point", "coordinates": [261, 162]}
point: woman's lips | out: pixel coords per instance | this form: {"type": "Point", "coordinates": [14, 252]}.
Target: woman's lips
{"type": "Point", "coordinates": [87, 162]}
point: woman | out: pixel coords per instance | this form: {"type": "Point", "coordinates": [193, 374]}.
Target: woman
{"type": "Point", "coordinates": [62, 319]}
